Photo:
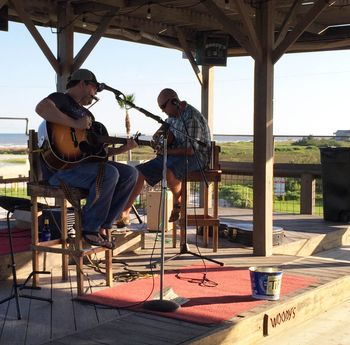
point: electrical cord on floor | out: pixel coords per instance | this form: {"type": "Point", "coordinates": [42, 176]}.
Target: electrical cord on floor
{"type": "Point", "coordinates": [204, 281]}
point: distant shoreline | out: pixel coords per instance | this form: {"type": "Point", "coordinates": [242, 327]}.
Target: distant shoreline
{"type": "Point", "coordinates": [16, 150]}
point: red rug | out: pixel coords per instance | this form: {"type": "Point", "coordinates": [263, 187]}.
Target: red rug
{"type": "Point", "coordinates": [207, 303]}
{"type": "Point", "coordinates": [21, 240]}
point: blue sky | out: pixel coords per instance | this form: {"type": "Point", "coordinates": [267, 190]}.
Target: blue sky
{"type": "Point", "coordinates": [310, 95]}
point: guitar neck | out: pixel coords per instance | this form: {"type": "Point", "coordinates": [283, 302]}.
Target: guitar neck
{"type": "Point", "coordinates": [104, 139]}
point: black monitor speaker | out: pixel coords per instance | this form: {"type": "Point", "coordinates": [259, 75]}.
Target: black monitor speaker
{"type": "Point", "coordinates": [211, 49]}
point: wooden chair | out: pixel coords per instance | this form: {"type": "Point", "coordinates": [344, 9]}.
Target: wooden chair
{"type": "Point", "coordinates": [206, 219]}
{"type": "Point", "coordinates": [41, 189]}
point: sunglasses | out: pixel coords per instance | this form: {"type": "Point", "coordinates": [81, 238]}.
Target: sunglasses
{"type": "Point", "coordinates": [163, 106]}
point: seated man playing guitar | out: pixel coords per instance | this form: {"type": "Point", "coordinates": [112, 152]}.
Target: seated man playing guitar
{"type": "Point", "coordinates": [182, 118]}
{"type": "Point", "coordinates": [70, 158]}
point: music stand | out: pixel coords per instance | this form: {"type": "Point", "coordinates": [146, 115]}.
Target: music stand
{"type": "Point", "coordinates": [11, 204]}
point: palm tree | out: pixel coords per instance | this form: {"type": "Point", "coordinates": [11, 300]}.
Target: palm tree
{"type": "Point", "coordinates": [123, 104]}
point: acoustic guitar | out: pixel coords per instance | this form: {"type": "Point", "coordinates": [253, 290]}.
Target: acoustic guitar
{"type": "Point", "coordinates": [63, 147]}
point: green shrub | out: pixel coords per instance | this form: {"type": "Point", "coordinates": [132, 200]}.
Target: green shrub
{"type": "Point", "coordinates": [237, 195]}
{"type": "Point", "coordinates": [318, 142]}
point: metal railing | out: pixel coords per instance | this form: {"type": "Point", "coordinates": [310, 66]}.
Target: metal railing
{"type": "Point", "coordinates": [301, 184]}
{"type": "Point", "coordinates": [304, 198]}
{"type": "Point", "coordinates": [17, 118]}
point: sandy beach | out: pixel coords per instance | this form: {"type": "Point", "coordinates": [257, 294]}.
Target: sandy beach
{"type": "Point", "coordinates": [9, 169]}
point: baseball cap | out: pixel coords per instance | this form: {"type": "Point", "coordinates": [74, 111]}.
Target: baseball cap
{"type": "Point", "coordinates": [83, 74]}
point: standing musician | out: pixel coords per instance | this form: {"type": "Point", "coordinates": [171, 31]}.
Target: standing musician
{"type": "Point", "coordinates": [182, 118]}
{"type": "Point", "coordinates": [109, 183]}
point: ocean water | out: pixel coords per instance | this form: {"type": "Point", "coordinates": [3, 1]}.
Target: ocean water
{"type": "Point", "coordinates": [13, 139]}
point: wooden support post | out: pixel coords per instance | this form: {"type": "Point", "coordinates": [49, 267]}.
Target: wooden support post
{"type": "Point", "coordinates": [207, 106]}
{"type": "Point", "coordinates": [307, 194]}
{"type": "Point", "coordinates": [65, 40]}
{"type": "Point", "coordinates": [263, 134]}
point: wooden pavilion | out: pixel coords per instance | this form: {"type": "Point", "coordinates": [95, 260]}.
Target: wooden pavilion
{"type": "Point", "coordinates": [262, 29]}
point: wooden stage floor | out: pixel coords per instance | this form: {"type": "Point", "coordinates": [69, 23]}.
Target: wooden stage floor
{"type": "Point", "coordinates": [310, 247]}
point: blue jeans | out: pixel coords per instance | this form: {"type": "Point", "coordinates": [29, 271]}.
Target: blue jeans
{"type": "Point", "coordinates": [117, 184]}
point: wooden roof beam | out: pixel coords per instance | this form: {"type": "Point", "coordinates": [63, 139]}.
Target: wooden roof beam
{"type": "Point", "coordinates": [162, 41]}
{"type": "Point", "coordinates": [184, 16]}
{"type": "Point", "coordinates": [173, 15]}
{"type": "Point", "coordinates": [81, 8]}
{"type": "Point", "coordinates": [292, 37]}
{"type": "Point", "coordinates": [19, 6]}
{"type": "Point", "coordinates": [124, 22]}
{"type": "Point", "coordinates": [93, 40]}
{"type": "Point", "coordinates": [325, 46]}
{"type": "Point", "coordinates": [287, 20]}
{"type": "Point", "coordinates": [134, 3]}
{"type": "Point", "coordinates": [248, 25]}
{"type": "Point", "coordinates": [231, 28]}
{"type": "Point", "coordinates": [189, 55]}
{"type": "Point", "coordinates": [314, 27]}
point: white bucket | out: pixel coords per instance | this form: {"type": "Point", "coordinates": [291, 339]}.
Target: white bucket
{"type": "Point", "coordinates": [266, 282]}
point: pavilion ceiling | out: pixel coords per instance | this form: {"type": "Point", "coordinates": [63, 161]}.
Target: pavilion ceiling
{"type": "Point", "coordinates": [299, 25]}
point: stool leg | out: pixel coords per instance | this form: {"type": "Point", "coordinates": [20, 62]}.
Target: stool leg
{"type": "Point", "coordinates": [215, 215]}
{"type": "Point", "coordinates": [35, 240]}
{"type": "Point", "coordinates": [80, 275]}
{"type": "Point", "coordinates": [205, 236]}
{"type": "Point", "coordinates": [174, 235]}
{"type": "Point", "coordinates": [64, 237]}
{"type": "Point", "coordinates": [183, 214]}
{"type": "Point", "coordinates": [108, 258]}
{"type": "Point", "coordinates": [79, 249]}
{"type": "Point", "coordinates": [205, 215]}
{"type": "Point", "coordinates": [109, 272]}
{"type": "Point", "coordinates": [215, 238]}
{"type": "Point", "coordinates": [143, 239]}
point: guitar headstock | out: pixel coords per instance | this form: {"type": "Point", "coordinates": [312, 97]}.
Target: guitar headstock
{"type": "Point", "coordinates": [136, 136]}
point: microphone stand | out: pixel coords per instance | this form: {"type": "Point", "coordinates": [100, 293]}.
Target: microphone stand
{"type": "Point", "coordinates": [184, 246]}
{"type": "Point", "coordinates": [15, 286]}
{"type": "Point", "coordinates": [160, 304]}
{"type": "Point", "coordinates": [184, 249]}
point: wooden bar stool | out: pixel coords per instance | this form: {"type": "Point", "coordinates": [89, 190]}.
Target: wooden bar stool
{"type": "Point", "coordinates": [41, 189]}
{"type": "Point", "coordinates": [206, 219]}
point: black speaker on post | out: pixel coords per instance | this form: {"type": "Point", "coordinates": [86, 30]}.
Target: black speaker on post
{"type": "Point", "coordinates": [211, 49]}
{"type": "Point", "coordinates": [335, 162]}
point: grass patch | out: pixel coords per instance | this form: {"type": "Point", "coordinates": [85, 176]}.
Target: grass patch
{"type": "Point", "coordinates": [16, 160]}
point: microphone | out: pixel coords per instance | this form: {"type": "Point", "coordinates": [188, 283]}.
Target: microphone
{"type": "Point", "coordinates": [103, 86]}
{"type": "Point", "coordinates": [96, 99]}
